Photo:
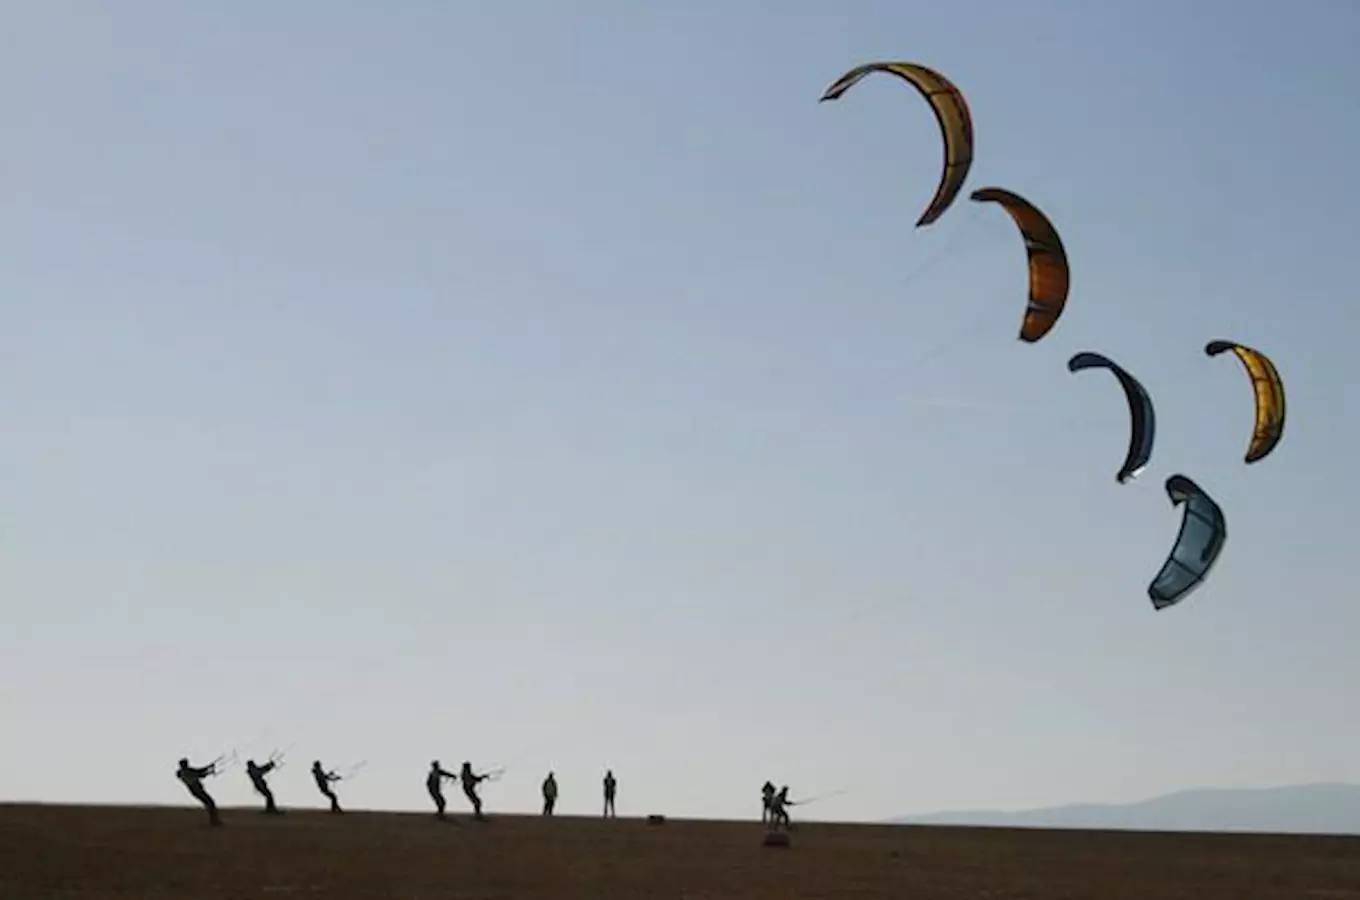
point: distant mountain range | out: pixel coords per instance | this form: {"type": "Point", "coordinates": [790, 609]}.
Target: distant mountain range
{"type": "Point", "coordinates": [1297, 809]}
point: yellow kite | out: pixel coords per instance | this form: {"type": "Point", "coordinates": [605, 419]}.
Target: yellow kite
{"type": "Point", "coordinates": [951, 111]}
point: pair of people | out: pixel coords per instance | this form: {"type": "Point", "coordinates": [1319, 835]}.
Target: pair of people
{"type": "Point", "coordinates": [192, 777]}
{"type": "Point", "coordinates": [434, 783]}
{"type": "Point", "coordinates": [550, 793]}
{"type": "Point", "coordinates": [774, 809]}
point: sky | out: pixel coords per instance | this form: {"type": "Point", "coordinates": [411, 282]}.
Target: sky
{"type": "Point", "coordinates": [561, 386]}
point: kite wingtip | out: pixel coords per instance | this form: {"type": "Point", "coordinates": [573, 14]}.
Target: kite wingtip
{"type": "Point", "coordinates": [1126, 477]}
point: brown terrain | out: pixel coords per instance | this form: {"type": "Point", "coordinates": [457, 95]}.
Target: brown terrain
{"type": "Point", "coordinates": [72, 852]}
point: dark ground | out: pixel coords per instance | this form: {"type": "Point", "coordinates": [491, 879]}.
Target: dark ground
{"type": "Point", "coordinates": [171, 854]}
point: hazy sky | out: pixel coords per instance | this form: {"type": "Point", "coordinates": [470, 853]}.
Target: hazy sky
{"type": "Point", "coordinates": [560, 385]}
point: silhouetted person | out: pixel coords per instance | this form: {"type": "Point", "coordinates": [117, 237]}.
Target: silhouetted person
{"type": "Point", "coordinates": [434, 783]}
{"type": "Point", "coordinates": [610, 787]}
{"type": "Point", "coordinates": [779, 809]}
{"type": "Point", "coordinates": [323, 781]}
{"type": "Point", "coordinates": [549, 794]}
{"type": "Point", "coordinates": [193, 780]}
{"type": "Point", "coordinates": [257, 774]}
{"type": "Point", "coordinates": [767, 802]}
{"type": "Point", "coordinates": [470, 781]}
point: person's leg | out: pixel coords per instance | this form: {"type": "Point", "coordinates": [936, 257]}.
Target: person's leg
{"type": "Point", "coordinates": [208, 804]}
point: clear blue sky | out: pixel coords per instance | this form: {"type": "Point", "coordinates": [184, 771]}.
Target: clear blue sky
{"type": "Point", "coordinates": [559, 385]}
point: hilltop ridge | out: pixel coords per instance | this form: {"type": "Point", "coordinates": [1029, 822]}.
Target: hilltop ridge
{"type": "Point", "coordinates": [1322, 808]}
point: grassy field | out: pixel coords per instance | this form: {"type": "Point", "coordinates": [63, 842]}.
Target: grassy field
{"type": "Point", "coordinates": [171, 854]}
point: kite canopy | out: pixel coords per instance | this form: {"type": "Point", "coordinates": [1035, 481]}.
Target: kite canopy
{"type": "Point", "coordinates": [1203, 532]}
{"type": "Point", "coordinates": [1049, 277]}
{"type": "Point", "coordinates": [1269, 390]}
{"type": "Point", "coordinates": [951, 112]}
{"type": "Point", "coordinates": [1143, 419]}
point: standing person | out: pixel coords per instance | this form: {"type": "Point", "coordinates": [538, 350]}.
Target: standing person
{"type": "Point", "coordinates": [767, 799]}
{"type": "Point", "coordinates": [470, 781]}
{"type": "Point", "coordinates": [434, 783]}
{"type": "Point", "coordinates": [779, 809]}
{"type": "Point", "coordinates": [257, 774]}
{"type": "Point", "coordinates": [549, 794]}
{"type": "Point", "coordinates": [610, 788]}
{"type": "Point", "coordinates": [323, 781]}
{"type": "Point", "coordinates": [193, 776]}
